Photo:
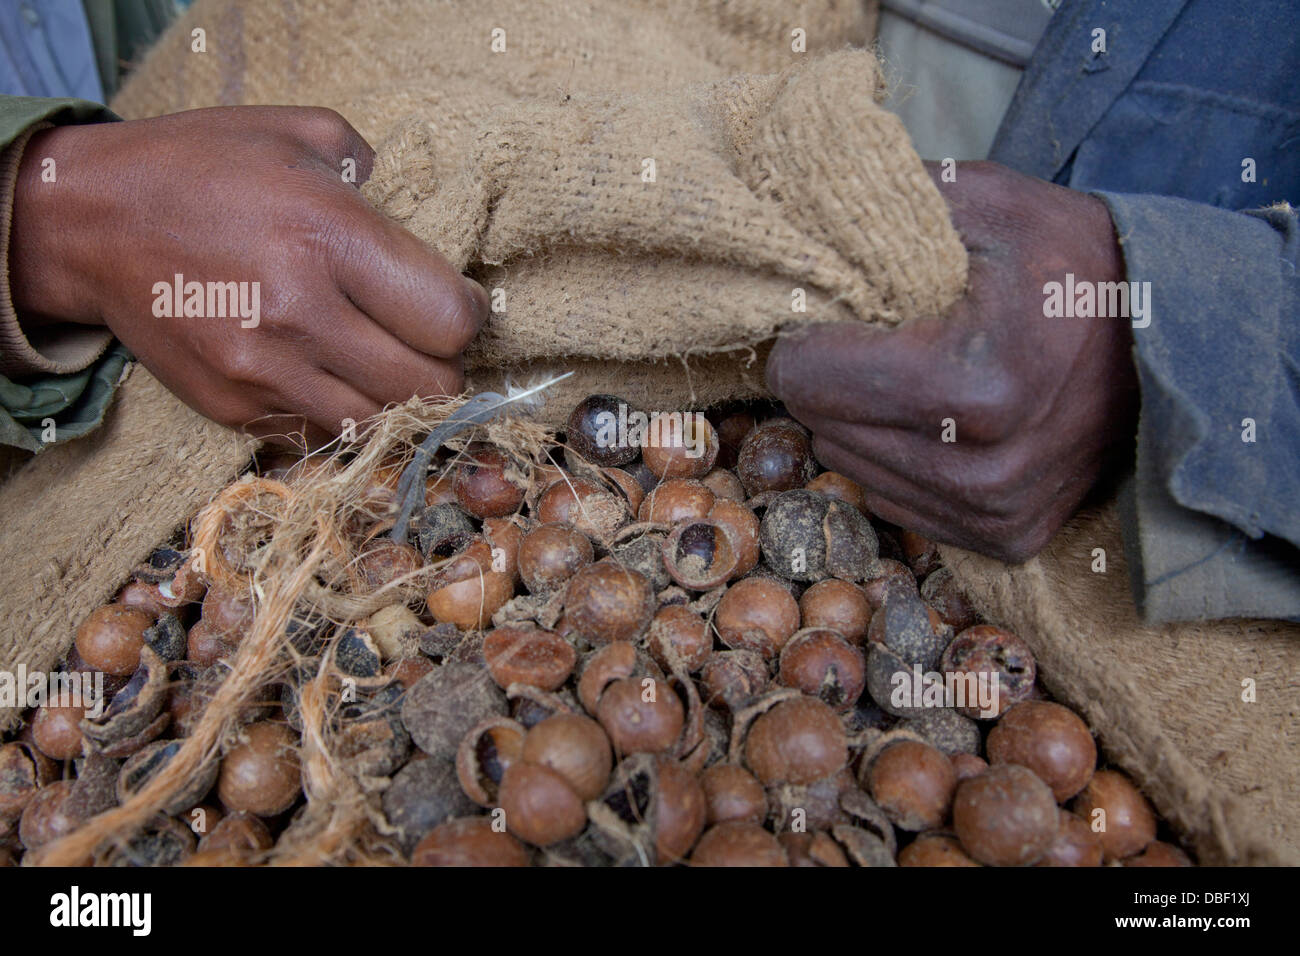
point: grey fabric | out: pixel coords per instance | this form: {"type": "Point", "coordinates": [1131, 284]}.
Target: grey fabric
{"type": "Point", "coordinates": [1007, 30]}
{"type": "Point", "coordinates": [954, 67]}
{"type": "Point", "coordinates": [46, 50]}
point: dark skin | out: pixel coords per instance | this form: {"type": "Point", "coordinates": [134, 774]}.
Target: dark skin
{"type": "Point", "coordinates": [355, 311]}
{"type": "Point", "coordinates": [1042, 407]}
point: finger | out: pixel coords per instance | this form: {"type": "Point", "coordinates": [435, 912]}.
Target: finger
{"type": "Point", "coordinates": [1014, 535]}
{"type": "Point", "coordinates": [381, 366]}
{"type": "Point", "coordinates": [325, 401]}
{"type": "Point", "coordinates": [335, 140]}
{"type": "Point", "coordinates": [856, 373]}
{"type": "Point", "coordinates": [407, 288]}
{"type": "Point", "coordinates": [992, 479]}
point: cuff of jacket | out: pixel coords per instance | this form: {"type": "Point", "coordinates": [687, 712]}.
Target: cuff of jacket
{"type": "Point", "coordinates": [1210, 525]}
{"type": "Point", "coordinates": [57, 350]}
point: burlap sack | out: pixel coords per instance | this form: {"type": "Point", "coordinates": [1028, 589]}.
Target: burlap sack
{"type": "Point", "coordinates": [525, 166]}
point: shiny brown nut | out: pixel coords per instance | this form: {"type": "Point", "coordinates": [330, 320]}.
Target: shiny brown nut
{"type": "Point", "coordinates": [490, 746]}
{"type": "Point", "coordinates": [679, 638]}
{"type": "Point", "coordinates": [204, 647]}
{"type": "Point", "coordinates": [551, 554]}
{"type": "Point", "coordinates": [1005, 817]}
{"type": "Point", "coordinates": [468, 841]}
{"type": "Point", "coordinates": [593, 430]}
{"type": "Point", "coordinates": [467, 591]}
{"type": "Point", "coordinates": [1121, 816]}
{"type": "Point", "coordinates": [576, 748]}
{"type": "Point", "coordinates": [798, 741]}
{"type": "Point", "coordinates": [775, 456]}
{"type": "Point", "coordinates": [540, 807]}
{"type": "Point", "coordinates": [523, 654]}
{"type": "Point", "coordinates": [1050, 740]}
{"type": "Point", "coordinates": [733, 793]}
{"type": "Point", "coordinates": [640, 715]}
{"type": "Point", "coordinates": [913, 783]}
{"type": "Point", "coordinates": [683, 445]}
{"type": "Point", "coordinates": [110, 638]}
{"type": "Point", "coordinates": [757, 614]}
{"type": "Point", "coordinates": [675, 501]}
{"type": "Point", "coordinates": [593, 509]}
{"type": "Point", "coordinates": [838, 605]}
{"type": "Point", "coordinates": [935, 849]}
{"type": "Point", "coordinates": [487, 483]}
{"type": "Point", "coordinates": [56, 730]}
{"type": "Point", "coordinates": [822, 664]}
{"type": "Point", "coordinates": [228, 612]}
{"type": "Point", "coordinates": [604, 602]}
{"type": "Point", "coordinates": [261, 773]}
{"type": "Point", "coordinates": [738, 844]}
{"type": "Point", "coordinates": [1075, 844]}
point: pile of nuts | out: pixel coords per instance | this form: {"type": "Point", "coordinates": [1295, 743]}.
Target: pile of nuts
{"type": "Point", "coordinates": [689, 651]}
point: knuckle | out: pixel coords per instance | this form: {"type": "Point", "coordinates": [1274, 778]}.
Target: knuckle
{"type": "Point", "coordinates": [243, 362]}
{"type": "Point", "coordinates": [463, 312]}
{"type": "Point", "coordinates": [326, 129]}
{"type": "Point", "coordinates": [989, 404]}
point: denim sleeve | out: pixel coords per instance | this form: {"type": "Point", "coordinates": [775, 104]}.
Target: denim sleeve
{"type": "Point", "coordinates": [1211, 513]}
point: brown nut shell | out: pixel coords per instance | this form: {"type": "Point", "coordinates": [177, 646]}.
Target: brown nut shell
{"type": "Point", "coordinates": [1126, 823]}
{"type": "Point", "coordinates": [1005, 817]}
{"type": "Point", "coordinates": [540, 806]}
{"type": "Point", "coordinates": [1050, 740]}
{"type": "Point", "coordinates": [798, 741]}
{"type": "Point", "coordinates": [522, 654]}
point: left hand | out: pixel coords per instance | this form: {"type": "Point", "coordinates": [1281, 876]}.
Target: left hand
{"type": "Point", "coordinates": [1039, 405]}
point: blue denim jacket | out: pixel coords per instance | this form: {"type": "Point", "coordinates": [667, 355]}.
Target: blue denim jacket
{"type": "Point", "coordinates": [1166, 126]}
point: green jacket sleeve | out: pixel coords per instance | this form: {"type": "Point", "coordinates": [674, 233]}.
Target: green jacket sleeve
{"type": "Point", "coordinates": [42, 407]}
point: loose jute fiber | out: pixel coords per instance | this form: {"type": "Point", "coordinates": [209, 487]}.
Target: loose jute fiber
{"type": "Point", "coordinates": [654, 187]}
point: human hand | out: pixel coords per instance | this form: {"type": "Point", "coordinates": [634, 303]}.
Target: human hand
{"type": "Point", "coordinates": [353, 311]}
{"type": "Point", "coordinates": [1038, 406]}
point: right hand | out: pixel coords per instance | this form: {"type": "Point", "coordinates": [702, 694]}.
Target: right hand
{"type": "Point", "coordinates": [355, 312]}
